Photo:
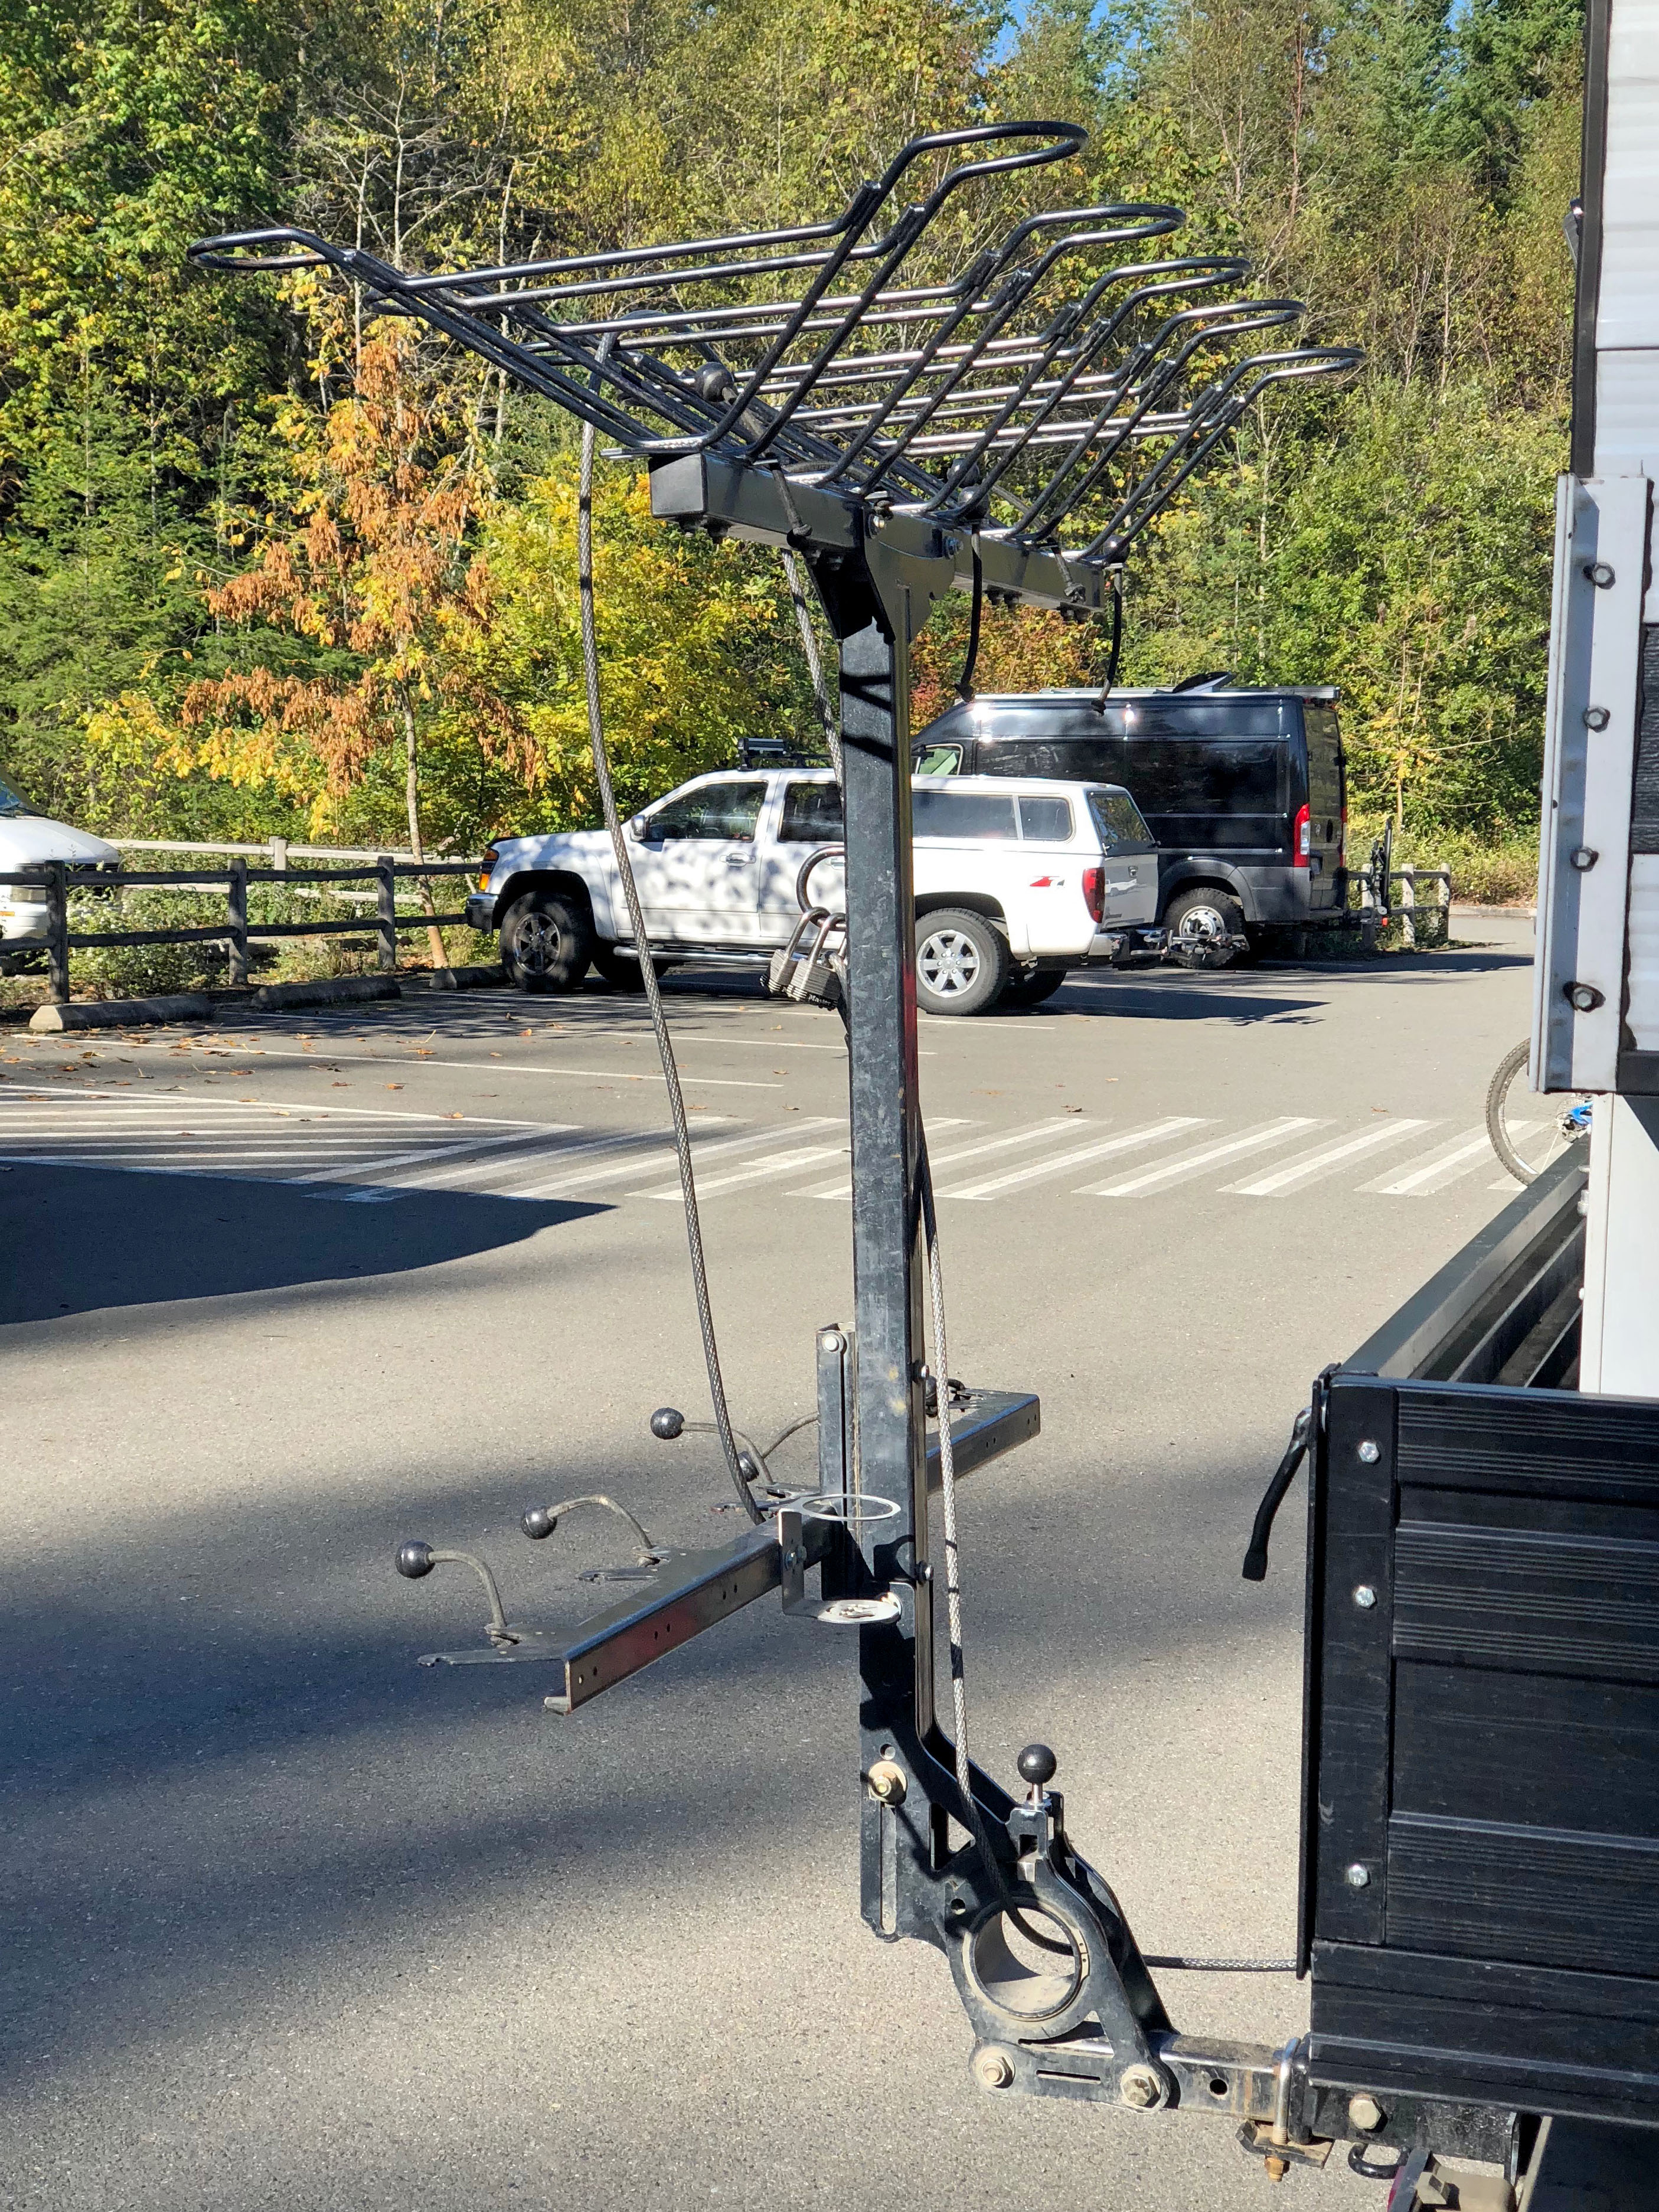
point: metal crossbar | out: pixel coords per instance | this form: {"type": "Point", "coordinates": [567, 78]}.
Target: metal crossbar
{"type": "Point", "coordinates": [887, 356]}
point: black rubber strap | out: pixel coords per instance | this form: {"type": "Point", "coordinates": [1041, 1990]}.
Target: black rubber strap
{"type": "Point", "coordinates": [965, 681]}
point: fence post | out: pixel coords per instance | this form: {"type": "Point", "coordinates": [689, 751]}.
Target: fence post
{"type": "Point", "coordinates": [386, 878]}
{"type": "Point", "coordinates": [1408, 908]}
{"type": "Point", "coordinates": [1367, 916]}
{"type": "Point", "coordinates": [57, 932]}
{"type": "Point", "coordinates": [279, 856]}
{"type": "Point", "coordinates": [236, 914]}
{"type": "Point", "coordinates": [1442, 885]}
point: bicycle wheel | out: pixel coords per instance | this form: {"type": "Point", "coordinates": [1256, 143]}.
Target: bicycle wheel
{"type": "Point", "coordinates": [1529, 1130]}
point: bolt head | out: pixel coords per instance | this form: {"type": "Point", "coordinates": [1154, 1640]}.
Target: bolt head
{"type": "Point", "coordinates": [1584, 858]}
{"type": "Point", "coordinates": [1358, 1876]}
{"type": "Point", "coordinates": [1140, 2086]}
{"type": "Point", "coordinates": [1597, 718]}
{"type": "Point", "coordinates": [993, 2069]}
{"type": "Point", "coordinates": [1365, 1597]}
{"type": "Point", "coordinates": [886, 1782]}
{"type": "Point", "coordinates": [1370, 1452]}
{"type": "Point", "coordinates": [1365, 2114]}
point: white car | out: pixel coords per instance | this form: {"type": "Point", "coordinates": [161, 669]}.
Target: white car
{"type": "Point", "coordinates": [28, 839]}
{"type": "Point", "coordinates": [1018, 880]}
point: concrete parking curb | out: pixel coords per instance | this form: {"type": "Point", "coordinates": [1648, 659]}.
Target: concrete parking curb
{"type": "Point", "coordinates": [121, 1013]}
{"type": "Point", "coordinates": [338, 990]}
{"type": "Point", "coordinates": [451, 979]}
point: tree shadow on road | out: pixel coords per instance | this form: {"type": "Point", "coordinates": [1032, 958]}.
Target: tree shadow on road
{"type": "Point", "coordinates": [83, 1240]}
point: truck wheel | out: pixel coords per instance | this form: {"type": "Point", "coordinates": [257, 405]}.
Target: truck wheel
{"type": "Point", "coordinates": [1200, 923]}
{"type": "Point", "coordinates": [547, 941]}
{"type": "Point", "coordinates": [962, 963]}
{"type": "Point", "coordinates": [1032, 987]}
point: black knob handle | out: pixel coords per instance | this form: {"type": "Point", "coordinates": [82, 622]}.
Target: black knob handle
{"type": "Point", "coordinates": [1037, 1764]}
{"type": "Point", "coordinates": [415, 1560]}
{"type": "Point", "coordinates": [667, 1422]}
{"type": "Point", "coordinates": [540, 1522]}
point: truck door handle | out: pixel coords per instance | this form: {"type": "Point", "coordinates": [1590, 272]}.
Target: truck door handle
{"type": "Point", "coordinates": [737, 859]}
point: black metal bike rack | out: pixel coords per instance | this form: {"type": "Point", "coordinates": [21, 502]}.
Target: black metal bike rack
{"type": "Point", "coordinates": [913, 411]}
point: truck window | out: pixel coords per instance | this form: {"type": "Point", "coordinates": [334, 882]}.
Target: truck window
{"type": "Point", "coordinates": [726, 810]}
{"type": "Point", "coordinates": [1046, 821]}
{"type": "Point", "coordinates": [961, 814]}
{"type": "Point", "coordinates": [1119, 821]}
{"type": "Point", "coordinates": [812, 814]}
{"type": "Point", "coordinates": [12, 804]}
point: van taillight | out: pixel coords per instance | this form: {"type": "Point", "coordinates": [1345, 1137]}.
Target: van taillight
{"type": "Point", "coordinates": [1303, 834]}
{"type": "Point", "coordinates": [1094, 892]}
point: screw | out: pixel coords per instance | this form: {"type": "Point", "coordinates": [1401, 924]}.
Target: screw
{"type": "Point", "coordinates": [1597, 718]}
{"type": "Point", "coordinates": [993, 2069]}
{"type": "Point", "coordinates": [1369, 1453]}
{"type": "Point", "coordinates": [887, 1782]}
{"type": "Point", "coordinates": [1366, 2114]}
{"type": "Point", "coordinates": [1140, 2086]}
{"type": "Point", "coordinates": [1365, 1597]}
{"type": "Point", "coordinates": [1358, 1877]}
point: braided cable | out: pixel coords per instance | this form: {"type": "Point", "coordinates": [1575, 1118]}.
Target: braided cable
{"type": "Point", "coordinates": [648, 972]}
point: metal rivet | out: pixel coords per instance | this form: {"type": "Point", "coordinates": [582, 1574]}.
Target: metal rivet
{"type": "Point", "coordinates": [1365, 1597]}
{"type": "Point", "coordinates": [1356, 1876]}
{"type": "Point", "coordinates": [1584, 858]}
{"type": "Point", "coordinates": [1599, 574]}
{"type": "Point", "coordinates": [1597, 718]}
{"type": "Point", "coordinates": [1369, 1453]}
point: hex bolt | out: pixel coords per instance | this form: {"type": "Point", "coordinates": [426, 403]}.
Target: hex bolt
{"type": "Point", "coordinates": [1584, 998]}
{"type": "Point", "coordinates": [1597, 718]}
{"type": "Point", "coordinates": [1365, 2114]}
{"type": "Point", "coordinates": [993, 2069]}
{"type": "Point", "coordinates": [1370, 1452]}
{"type": "Point", "coordinates": [1584, 858]}
{"type": "Point", "coordinates": [1365, 1597]}
{"type": "Point", "coordinates": [1358, 1876]}
{"type": "Point", "coordinates": [1598, 574]}
{"type": "Point", "coordinates": [886, 1782]}
{"type": "Point", "coordinates": [1140, 2086]}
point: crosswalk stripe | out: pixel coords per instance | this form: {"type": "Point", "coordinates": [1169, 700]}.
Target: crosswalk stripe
{"type": "Point", "coordinates": [756, 1172]}
{"type": "Point", "coordinates": [352, 1170]}
{"type": "Point", "coordinates": [646, 1160]}
{"type": "Point", "coordinates": [1308, 1167]}
{"type": "Point", "coordinates": [1126, 1140]}
{"type": "Point", "coordinates": [1037, 1132]}
{"type": "Point", "coordinates": [1194, 1161]}
{"type": "Point", "coordinates": [1460, 1156]}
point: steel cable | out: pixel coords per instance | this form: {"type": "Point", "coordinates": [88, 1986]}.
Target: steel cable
{"type": "Point", "coordinates": [647, 971]}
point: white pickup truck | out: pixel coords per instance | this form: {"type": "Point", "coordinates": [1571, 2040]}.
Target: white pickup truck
{"type": "Point", "coordinates": [1018, 880]}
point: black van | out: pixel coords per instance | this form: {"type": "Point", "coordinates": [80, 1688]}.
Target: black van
{"type": "Point", "coordinates": [1242, 787]}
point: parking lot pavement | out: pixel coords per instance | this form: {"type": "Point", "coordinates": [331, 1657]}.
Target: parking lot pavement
{"type": "Point", "coordinates": [296, 1923]}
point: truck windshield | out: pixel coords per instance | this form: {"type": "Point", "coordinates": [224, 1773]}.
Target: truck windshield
{"type": "Point", "coordinates": [937, 760]}
{"type": "Point", "coordinates": [12, 803]}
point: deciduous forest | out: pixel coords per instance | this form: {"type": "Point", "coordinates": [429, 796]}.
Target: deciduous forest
{"type": "Point", "coordinates": [266, 568]}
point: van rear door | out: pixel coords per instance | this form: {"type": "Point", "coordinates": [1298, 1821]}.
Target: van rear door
{"type": "Point", "coordinates": [1326, 804]}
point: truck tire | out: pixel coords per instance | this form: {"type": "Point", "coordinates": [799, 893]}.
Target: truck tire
{"type": "Point", "coordinates": [1200, 921]}
{"type": "Point", "coordinates": [547, 942]}
{"type": "Point", "coordinates": [962, 963]}
{"type": "Point", "coordinates": [1032, 986]}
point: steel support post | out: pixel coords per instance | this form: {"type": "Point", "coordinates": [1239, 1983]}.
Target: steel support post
{"type": "Point", "coordinates": [886, 1123]}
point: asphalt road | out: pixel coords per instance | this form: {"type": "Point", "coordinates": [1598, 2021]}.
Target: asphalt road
{"type": "Point", "coordinates": [293, 1923]}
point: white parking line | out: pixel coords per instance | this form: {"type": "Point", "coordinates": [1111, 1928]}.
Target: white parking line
{"type": "Point", "coordinates": [1058, 1126]}
{"type": "Point", "coordinates": [1296, 1174]}
{"type": "Point", "coordinates": [1459, 1156]}
{"type": "Point", "coordinates": [1128, 1140]}
{"type": "Point", "coordinates": [758, 1171]}
{"type": "Point", "coordinates": [646, 1160]}
{"type": "Point", "coordinates": [1195, 1162]}
{"type": "Point", "coordinates": [351, 1172]}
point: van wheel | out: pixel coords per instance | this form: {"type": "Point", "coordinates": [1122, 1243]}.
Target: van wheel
{"type": "Point", "coordinates": [1032, 987]}
{"type": "Point", "coordinates": [547, 942]}
{"type": "Point", "coordinates": [962, 963]}
{"type": "Point", "coordinates": [1200, 923]}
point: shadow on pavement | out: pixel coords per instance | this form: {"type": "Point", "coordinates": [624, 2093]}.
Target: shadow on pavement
{"type": "Point", "coordinates": [86, 1239]}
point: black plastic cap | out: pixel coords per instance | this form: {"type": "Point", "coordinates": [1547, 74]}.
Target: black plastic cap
{"type": "Point", "coordinates": [415, 1560]}
{"type": "Point", "coordinates": [1037, 1764]}
{"type": "Point", "coordinates": [538, 1522]}
{"type": "Point", "coordinates": [667, 1422]}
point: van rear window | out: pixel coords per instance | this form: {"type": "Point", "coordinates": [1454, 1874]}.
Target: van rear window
{"type": "Point", "coordinates": [1068, 760]}
{"type": "Point", "coordinates": [961, 814]}
{"type": "Point", "coordinates": [1185, 775]}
